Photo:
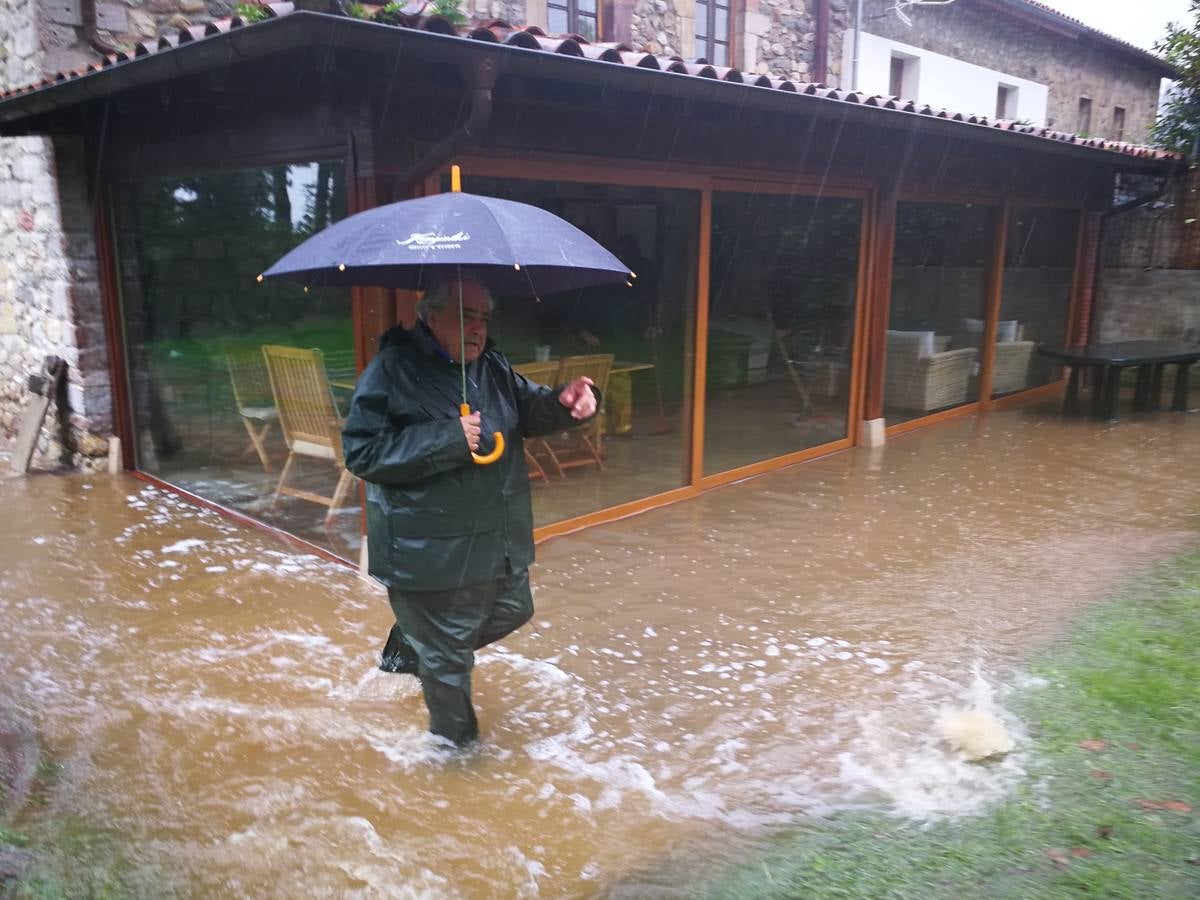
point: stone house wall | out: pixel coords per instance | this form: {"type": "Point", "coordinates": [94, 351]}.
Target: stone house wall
{"type": "Point", "coordinates": [49, 297]}
{"type": "Point", "coordinates": [49, 283]}
{"type": "Point", "coordinates": [1150, 280]}
{"type": "Point", "coordinates": [1071, 69]}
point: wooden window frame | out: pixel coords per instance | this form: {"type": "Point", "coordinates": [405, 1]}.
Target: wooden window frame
{"type": "Point", "coordinates": [578, 169]}
{"type": "Point", "coordinates": [873, 301]}
{"type": "Point", "coordinates": [570, 8]}
{"type": "Point", "coordinates": [710, 24]}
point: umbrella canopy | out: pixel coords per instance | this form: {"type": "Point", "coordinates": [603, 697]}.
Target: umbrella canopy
{"type": "Point", "coordinates": [513, 248]}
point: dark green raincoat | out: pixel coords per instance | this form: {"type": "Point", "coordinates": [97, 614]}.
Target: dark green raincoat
{"type": "Point", "coordinates": [436, 520]}
{"type": "Point", "coordinates": [452, 540]}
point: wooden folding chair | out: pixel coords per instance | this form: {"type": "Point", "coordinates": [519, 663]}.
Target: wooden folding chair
{"type": "Point", "coordinates": [584, 446]}
{"type": "Point", "coordinates": [540, 373]}
{"type": "Point", "coordinates": [253, 398]}
{"type": "Point", "coordinates": [311, 426]}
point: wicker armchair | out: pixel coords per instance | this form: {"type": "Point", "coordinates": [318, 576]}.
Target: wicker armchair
{"type": "Point", "coordinates": [1011, 370]}
{"type": "Point", "coordinates": [917, 379]}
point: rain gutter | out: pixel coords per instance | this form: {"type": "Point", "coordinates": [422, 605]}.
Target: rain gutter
{"type": "Point", "coordinates": [480, 76]}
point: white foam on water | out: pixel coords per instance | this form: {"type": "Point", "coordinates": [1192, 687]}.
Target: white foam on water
{"type": "Point", "coordinates": [375, 685]}
{"type": "Point", "coordinates": [901, 757]}
{"type": "Point", "coordinates": [184, 546]}
{"type": "Point", "coordinates": [605, 777]}
{"type": "Point", "coordinates": [350, 845]}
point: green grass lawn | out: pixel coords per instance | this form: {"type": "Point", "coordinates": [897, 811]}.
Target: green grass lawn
{"type": "Point", "coordinates": [1110, 805]}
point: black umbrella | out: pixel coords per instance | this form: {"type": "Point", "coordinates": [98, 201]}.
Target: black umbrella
{"type": "Point", "coordinates": [513, 248]}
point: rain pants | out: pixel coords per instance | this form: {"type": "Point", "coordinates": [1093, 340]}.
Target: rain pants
{"type": "Point", "coordinates": [451, 540]}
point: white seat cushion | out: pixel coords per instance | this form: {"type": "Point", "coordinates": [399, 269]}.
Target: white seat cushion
{"type": "Point", "coordinates": [923, 339]}
{"type": "Point", "coordinates": [308, 448]}
{"type": "Point", "coordinates": [261, 413]}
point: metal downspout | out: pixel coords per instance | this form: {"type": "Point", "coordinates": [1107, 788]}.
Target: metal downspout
{"type": "Point", "coordinates": [87, 12]}
{"type": "Point", "coordinates": [481, 78]}
{"type": "Point", "coordinates": [857, 44]}
{"type": "Point", "coordinates": [821, 43]}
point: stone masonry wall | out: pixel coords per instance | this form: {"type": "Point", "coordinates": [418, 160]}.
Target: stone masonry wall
{"type": "Point", "coordinates": [35, 314]}
{"type": "Point", "coordinates": [779, 36]}
{"type": "Point", "coordinates": [49, 287]}
{"type": "Point", "coordinates": [1150, 281]}
{"type": "Point", "coordinates": [1148, 304]}
{"type": "Point", "coordinates": [1070, 68]}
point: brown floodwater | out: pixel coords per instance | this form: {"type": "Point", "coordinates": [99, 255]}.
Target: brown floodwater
{"type": "Point", "coordinates": [694, 679]}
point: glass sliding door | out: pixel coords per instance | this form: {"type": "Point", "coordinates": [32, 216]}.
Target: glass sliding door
{"type": "Point", "coordinates": [208, 416]}
{"type": "Point", "coordinates": [938, 307]}
{"type": "Point", "coordinates": [1039, 272]}
{"type": "Point", "coordinates": [782, 306]}
{"type": "Point", "coordinates": [633, 341]}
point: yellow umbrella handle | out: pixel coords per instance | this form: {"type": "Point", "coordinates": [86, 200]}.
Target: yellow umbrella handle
{"type": "Point", "coordinates": [497, 451]}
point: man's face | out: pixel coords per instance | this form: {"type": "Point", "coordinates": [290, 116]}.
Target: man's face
{"type": "Point", "coordinates": [443, 323]}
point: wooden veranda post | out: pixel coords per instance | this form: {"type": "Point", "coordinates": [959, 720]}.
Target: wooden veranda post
{"type": "Point", "coordinates": [993, 299]}
{"type": "Point", "coordinates": [882, 248]}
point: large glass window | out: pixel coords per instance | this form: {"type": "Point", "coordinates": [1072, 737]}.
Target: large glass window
{"type": "Point", "coordinates": [938, 306]}
{"type": "Point", "coordinates": [634, 342]}
{"type": "Point", "coordinates": [782, 305]}
{"type": "Point", "coordinates": [214, 410]}
{"type": "Point", "coordinates": [1038, 273]}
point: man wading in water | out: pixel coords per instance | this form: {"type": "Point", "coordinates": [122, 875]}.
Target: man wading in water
{"type": "Point", "coordinates": [451, 540]}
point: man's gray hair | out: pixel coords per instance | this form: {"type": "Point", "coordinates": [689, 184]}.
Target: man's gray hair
{"type": "Point", "coordinates": [441, 294]}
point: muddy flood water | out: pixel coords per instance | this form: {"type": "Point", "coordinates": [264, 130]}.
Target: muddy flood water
{"type": "Point", "coordinates": [694, 679]}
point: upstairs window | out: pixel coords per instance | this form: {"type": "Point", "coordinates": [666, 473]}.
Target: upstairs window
{"type": "Point", "coordinates": [713, 30]}
{"type": "Point", "coordinates": [904, 75]}
{"type": "Point", "coordinates": [1006, 102]}
{"type": "Point", "coordinates": [896, 77]}
{"type": "Point", "coordinates": [573, 17]}
{"type": "Point", "coordinates": [1119, 123]}
{"type": "Point", "coordinates": [1084, 123]}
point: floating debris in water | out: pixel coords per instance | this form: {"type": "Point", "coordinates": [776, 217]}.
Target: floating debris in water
{"type": "Point", "coordinates": [976, 734]}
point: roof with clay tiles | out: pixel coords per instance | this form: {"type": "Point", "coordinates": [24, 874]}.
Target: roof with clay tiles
{"type": "Point", "coordinates": [532, 38]}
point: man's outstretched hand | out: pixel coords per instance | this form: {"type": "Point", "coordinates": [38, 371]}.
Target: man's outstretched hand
{"type": "Point", "coordinates": [578, 398]}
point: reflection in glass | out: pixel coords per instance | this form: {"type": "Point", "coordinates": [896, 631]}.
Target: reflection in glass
{"type": "Point", "coordinates": [782, 302]}
{"type": "Point", "coordinates": [207, 415]}
{"type": "Point", "coordinates": [631, 341]}
{"type": "Point", "coordinates": [938, 306]}
{"type": "Point", "coordinates": [1038, 272]}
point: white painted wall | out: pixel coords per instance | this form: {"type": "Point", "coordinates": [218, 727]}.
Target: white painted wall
{"type": "Point", "coordinates": [941, 81]}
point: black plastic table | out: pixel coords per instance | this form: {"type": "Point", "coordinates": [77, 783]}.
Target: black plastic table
{"type": "Point", "coordinates": [1107, 361]}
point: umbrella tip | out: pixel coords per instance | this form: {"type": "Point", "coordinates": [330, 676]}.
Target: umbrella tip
{"type": "Point", "coordinates": [455, 179]}
{"type": "Point", "coordinates": [341, 267]}
{"type": "Point", "coordinates": [517, 266]}
{"type": "Point", "coordinates": [259, 278]}
{"type": "Point", "coordinates": [633, 274]}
